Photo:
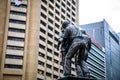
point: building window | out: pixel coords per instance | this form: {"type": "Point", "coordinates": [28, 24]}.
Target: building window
{"type": "Point", "coordinates": [16, 38]}
{"type": "Point", "coordinates": [49, 27]}
{"type": "Point", "coordinates": [51, 6]}
{"type": "Point", "coordinates": [49, 58]}
{"type": "Point", "coordinates": [14, 47]}
{"type": "Point", "coordinates": [57, 5]}
{"type": "Point", "coordinates": [49, 42]}
{"type": "Point", "coordinates": [52, 1]}
{"type": "Point", "coordinates": [50, 35]}
{"type": "Point", "coordinates": [73, 19]}
{"type": "Point", "coordinates": [44, 1]}
{"type": "Point", "coordinates": [14, 56]}
{"type": "Point", "coordinates": [41, 54]}
{"type": "Point", "coordinates": [48, 74]}
{"type": "Point", "coordinates": [42, 38]}
{"type": "Point", "coordinates": [56, 69]}
{"type": "Point", "coordinates": [55, 46]}
{"type": "Point", "coordinates": [56, 18]}
{"type": "Point", "coordinates": [73, 13]}
{"type": "Point", "coordinates": [55, 61]}
{"type": "Point", "coordinates": [13, 66]}
{"type": "Point", "coordinates": [41, 63]}
{"type": "Point", "coordinates": [56, 11]}
{"type": "Point", "coordinates": [18, 13]}
{"type": "Point", "coordinates": [56, 25]}
{"type": "Point", "coordinates": [63, 10]}
{"type": "Point", "coordinates": [17, 21]}
{"type": "Point", "coordinates": [68, 9]}
{"type": "Point", "coordinates": [73, 2]}
{"type": "Point", "coordinates": [49, 50]}
{"type": "Point", "coordinates": [55, 53]}
{"type": "Point", "coordinates": [57, 32]}
{"type": "Point", "coordinates": [42, 30]}
{"type": "Point", "coordinates": [16, 30]}
{"type": "Point", "coordinates": [63, 16]}
{"type": "Point", "coordinates": [51, 13]}
{"type": "Point", "coordinates": [49, 66]}
{"type": "Point", "coordinates": [41, 46]}
{"type": "Point", "coordinates": [42, 22]}
{"type": "Point", "coordinates": [50, 20]}
{"type": "Point", "coordinates": [55, 76]}
{"type": "Point", "coordinates": [56, 39]}
{"type": "Point", "coordinates": [73, 8]}
{"type": "Point", "coordinates": [43, 15]}
{"type": "Point", "coordinates": [63, 4]}
{"type": "Point", "coordinates": [68, 3]}
{"type": "Point", "coordinates": [43, 8]}
{"type": "Point", "coordinates": [68, 15]}
{"type": "Point", "coordinates": [40, 72]}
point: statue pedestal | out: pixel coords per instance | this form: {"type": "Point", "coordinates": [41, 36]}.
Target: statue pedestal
{"type": "Point", "coordinates": [75, 78]}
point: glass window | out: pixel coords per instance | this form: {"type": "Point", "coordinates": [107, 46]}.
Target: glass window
{"type": "Point", "coordinates": [15, 38]}
{"type": "Point", "coordinates": [42, 22]}
{"type": "Point", "coordinates": [49, 42]}
{"type": "Point", "coordinates": [43, 15]}
{"type": "Point", "coordinates": [13, 66]}
{"type": "Point", "coordinates": [49, 50]}
{"type": "Point", "coordinates": [51, 13]}
{"type": "Point", "coordinates": [44, 1]}
{"type": "Point", "coordinates": [57, 11]}
{"type": "Point", "coordinates": [50, 20]}
{"type": "Point", "coordinates": [14, 47]}
{"type": "Point", "coordinates": [49, 27]}
{"type": "Point", "coordinates": [41, 46]}
{"type": "Point", "coordinates": [42, 38]}
{"type": "Point", "coordinates": [17, 21]}
{"type": "Point", "coordinates": [17, 13]}
{"type": "Point", "coordinates": [42, 30]}
{"type": "Point", "coordinates": [14, 56]}
{"type": "Point", "coordinates": [43, 8]}
{"type": "Point", "coordinates": [50, 35]}
{"type": "Point", "coordinates": [16, 30]}
{"type": "Point", "coordinates": [51, 6]}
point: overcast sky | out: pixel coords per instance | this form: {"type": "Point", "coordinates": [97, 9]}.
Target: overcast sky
{"type": "Point", "coordinates": [91, 11]}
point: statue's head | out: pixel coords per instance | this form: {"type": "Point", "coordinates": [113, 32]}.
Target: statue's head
{"type": "Point", "coordinates": [65, 24]}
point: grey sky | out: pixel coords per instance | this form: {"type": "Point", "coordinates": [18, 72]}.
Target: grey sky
{"type": "Point", "coordinates": [96, 10]}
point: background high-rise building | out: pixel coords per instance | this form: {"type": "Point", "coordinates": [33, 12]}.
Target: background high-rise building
{"type": "Point", "coordinates": [102, 32]}
{"type": "Point", "coordinates": [28, 40]}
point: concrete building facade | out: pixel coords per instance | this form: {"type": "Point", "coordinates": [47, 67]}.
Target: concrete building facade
{"type": "Point", "coordinates": [28, 38]}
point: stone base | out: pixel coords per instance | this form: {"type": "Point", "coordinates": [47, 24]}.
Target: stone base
{"type": "Point", "coordinates": [75, 78]}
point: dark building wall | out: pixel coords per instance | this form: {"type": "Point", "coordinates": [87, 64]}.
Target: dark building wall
{"type": "Point", "coordinates": [102, 32]}
{"type": "Point", "coordinates": [96, 30]}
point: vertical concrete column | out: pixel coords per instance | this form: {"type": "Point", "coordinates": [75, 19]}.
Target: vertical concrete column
{"type": "Point", "coordinates": [32, 39]}
{"type": "Point", "coordinates": [4, 6]}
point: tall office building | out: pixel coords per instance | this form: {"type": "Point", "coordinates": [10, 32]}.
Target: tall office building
{"type": "Point", "coordinates": [102, 32]}
{"type": "Point", "coordinates": [29, 32]}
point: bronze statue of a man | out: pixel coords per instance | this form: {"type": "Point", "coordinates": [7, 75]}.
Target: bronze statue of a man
{"type": "Point", "coordinates": [64, 45]}
{"type": "Point", "coordinates": [78, 45]}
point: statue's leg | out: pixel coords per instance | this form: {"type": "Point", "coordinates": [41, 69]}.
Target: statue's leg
{"type": "Point", "coordinates": [83, 54]}
{"type": "Point", "coordinates": [85, 69]}
{"type": "Point", "coordinates": [68, 57]}
{"type": "Point", "coordinates": [63, 58]}
{"type": "Point", "coordinates": [78, 67]}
